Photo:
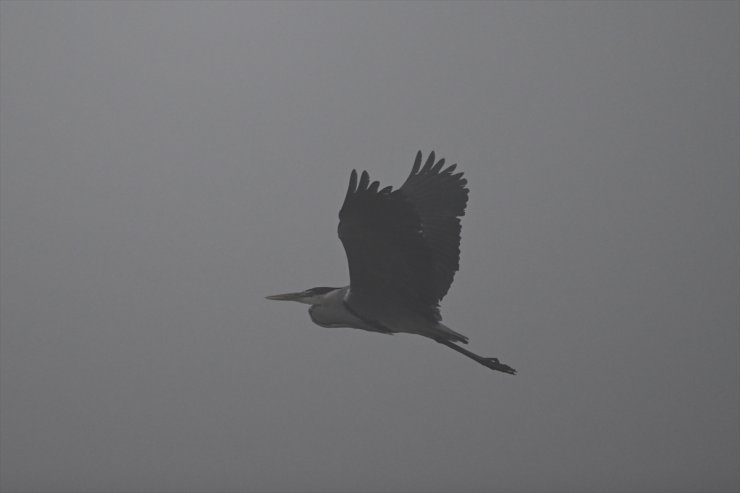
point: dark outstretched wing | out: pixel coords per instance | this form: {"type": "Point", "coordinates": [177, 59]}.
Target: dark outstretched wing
{"type": "Point", "coordinates": [403, 246]}
{"type": "Point", "coordinates": [439, 198]}
{"type": "Point", "coordinates": [390, 263]}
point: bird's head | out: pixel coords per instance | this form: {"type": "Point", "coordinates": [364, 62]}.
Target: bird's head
{"type": "Point", "coordinates": [312, 296]}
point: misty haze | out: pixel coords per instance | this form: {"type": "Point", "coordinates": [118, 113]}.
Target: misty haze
{"type": "Point", "coordinates": [164, 166]}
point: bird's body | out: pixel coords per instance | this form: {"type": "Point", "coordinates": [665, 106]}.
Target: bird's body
{"type": "Point", "coordinates": [331, 309]}
{"type": "Point", "coordinates": [403, 250]}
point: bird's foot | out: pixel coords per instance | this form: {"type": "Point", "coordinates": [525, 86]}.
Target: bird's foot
{"type": "Point", "coordinates": [495, 364]}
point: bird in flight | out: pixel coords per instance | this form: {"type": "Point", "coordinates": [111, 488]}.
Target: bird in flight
{"type": "Point", "coordinates": [403, 249]}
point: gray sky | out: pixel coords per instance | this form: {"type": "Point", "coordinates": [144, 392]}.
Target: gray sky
{"type": "Point", "coordinates": [167, 165]}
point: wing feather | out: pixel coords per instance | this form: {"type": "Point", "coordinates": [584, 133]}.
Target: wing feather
{"type": "Point", "coordinates": [390, 263]}
{"type": "Point", "coordinates": [440, 198]}
{"type": "Point", "coordinates": [403, 246]}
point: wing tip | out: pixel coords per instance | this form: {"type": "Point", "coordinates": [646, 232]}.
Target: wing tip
{"type": "Point", "coordinates": [430, 162]}
{"type": "Point", "coordinates": [352, 181]}
{"type": "Point", "coordinates": [417, 163]}
{"type": "Point", "coordinates": [364, 181]}
{"type": "Point", "coordinates": [432, 165]}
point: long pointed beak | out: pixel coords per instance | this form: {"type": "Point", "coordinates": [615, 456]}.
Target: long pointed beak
{"type": "Point", "coordinates": [285, 297]}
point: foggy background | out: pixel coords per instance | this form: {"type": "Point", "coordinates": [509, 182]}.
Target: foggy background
{"type": "Point", "coordinates": [167, 165]}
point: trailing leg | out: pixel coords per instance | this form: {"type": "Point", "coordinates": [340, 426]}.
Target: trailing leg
{"type": "Point", "coordinates": [492, 363]}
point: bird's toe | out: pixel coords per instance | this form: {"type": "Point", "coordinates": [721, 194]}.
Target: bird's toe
{"type": "Point", "coordinates": [495, 364]}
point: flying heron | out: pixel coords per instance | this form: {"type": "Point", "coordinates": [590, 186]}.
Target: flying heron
{"type": "Point", "coordinates": [403, 249]}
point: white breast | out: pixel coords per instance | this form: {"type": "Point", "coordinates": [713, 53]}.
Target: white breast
{"type": "Point", "coordinates": [332, 311]}
{"type": "Point", "coordinates": [333, 315]}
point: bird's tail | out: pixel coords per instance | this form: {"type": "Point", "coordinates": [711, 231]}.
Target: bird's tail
{"type": "Point", "coordinates": [450, 334]}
